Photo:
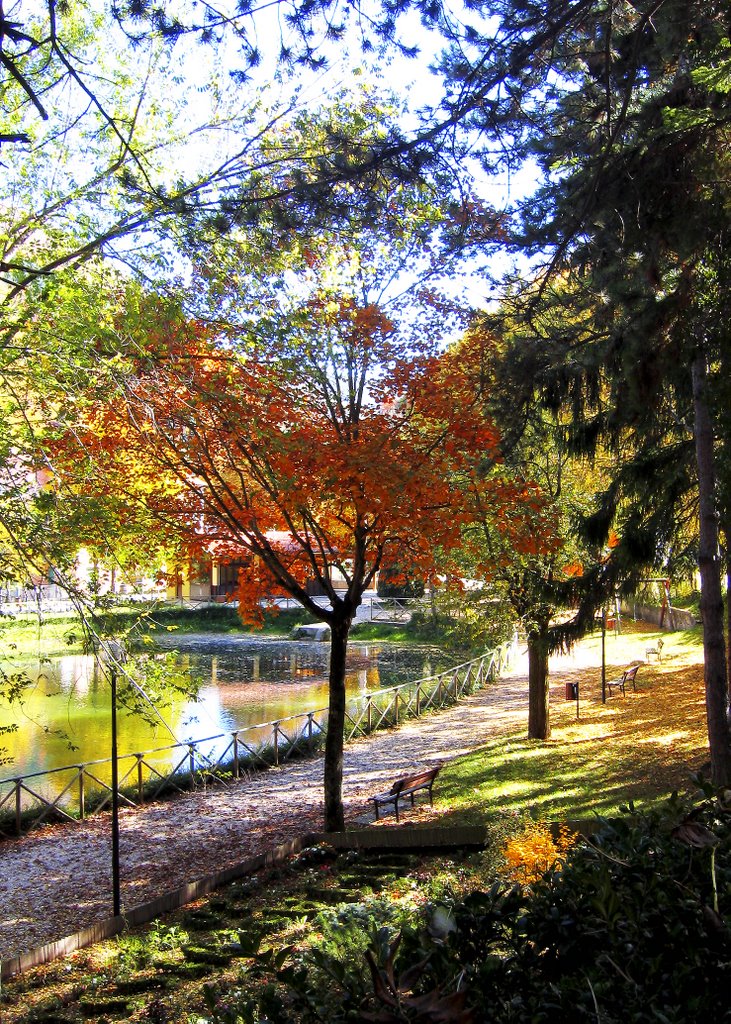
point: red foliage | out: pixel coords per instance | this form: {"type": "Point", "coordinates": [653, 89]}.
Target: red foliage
{"type": "Point", "coordinates": [374, 458]}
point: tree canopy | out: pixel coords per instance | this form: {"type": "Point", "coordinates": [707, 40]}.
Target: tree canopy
{"type": "Point", "coordinates": [619, 333]}
{"type": "Point", "coordinates": [321, 432]}
{"type": "Point", "coordinates": [634, 214]}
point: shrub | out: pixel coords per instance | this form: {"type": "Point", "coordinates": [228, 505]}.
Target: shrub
{"type": "Point", "coordinates": [534, 851]}
{"type": "Point", "coordinates": [627, 926]}
{"type": "Point", "coordinates": [394, 582]}
{"type": "Point", "coordinates": [630, 927]}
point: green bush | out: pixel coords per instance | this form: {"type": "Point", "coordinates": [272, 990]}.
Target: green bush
{"type": "Point", "coordinates": [630, 928]}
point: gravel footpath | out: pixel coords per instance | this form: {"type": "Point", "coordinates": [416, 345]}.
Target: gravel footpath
{"type": "Point", "coordinates": [58, 880]}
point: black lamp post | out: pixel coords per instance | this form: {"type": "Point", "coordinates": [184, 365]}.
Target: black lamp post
{"type": "Point", "coordinates": [604, 655]}
{"type": "Point", "coordinates": [113, 653]}
{"type": "Point", "coordinates": [116, 901]}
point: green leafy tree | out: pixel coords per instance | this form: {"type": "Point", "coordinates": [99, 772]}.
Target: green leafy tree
{"type": "Point", "coordinates": [625, 109]}
{"type": "Point", "coordinates": [316, 434]}
{"type": "Point", "coordinates": [48, 534]}
{"type": "Point", "coordinates": [550, 585]}
{"type": "Point", "coordinates": [650, 186]}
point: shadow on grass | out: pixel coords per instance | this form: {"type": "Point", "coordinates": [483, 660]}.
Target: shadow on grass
{"type": "Point", "coordinates": [636, 748]}
{"type": "Point", "coordinates": [689, 637]}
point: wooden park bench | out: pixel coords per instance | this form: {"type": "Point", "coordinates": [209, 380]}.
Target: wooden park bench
{"type": "Point", "coordinates": [628, 676]}
{"type": "Point", "coordinates": [655, 652]}
{"type": "Point", "coordinates": [408, 786]}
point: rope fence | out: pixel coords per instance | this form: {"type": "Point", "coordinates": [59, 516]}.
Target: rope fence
{"type": "Point", "coordinates": [81, 789]}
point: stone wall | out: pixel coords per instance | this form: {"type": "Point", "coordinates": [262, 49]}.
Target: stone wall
{"type": "Point", "coordinates": [651, 613]}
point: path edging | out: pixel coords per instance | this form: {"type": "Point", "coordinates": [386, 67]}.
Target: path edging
{"type": "Point", "coordinates": [404, 837]}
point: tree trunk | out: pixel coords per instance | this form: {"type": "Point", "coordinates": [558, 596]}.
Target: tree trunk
{"type": "Point", "coordinates": [539, 721]}
{"type": "Point", "coordinates": [725, 531]}
{"type": "Point", "coordinates": [333, 779]}
{"type": "Point", "coordinates": [728, 630]}
{"type": "Point", "coordinates": [709, 565]}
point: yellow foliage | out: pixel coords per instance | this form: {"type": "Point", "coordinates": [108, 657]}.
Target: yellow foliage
{"type": "Point", "coordinates": [531, 853]}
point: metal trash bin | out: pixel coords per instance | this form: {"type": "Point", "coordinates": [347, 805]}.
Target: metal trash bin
{"type": "Point", "coordinates": [572, 691]}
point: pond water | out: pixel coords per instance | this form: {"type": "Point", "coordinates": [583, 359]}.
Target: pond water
{"type": "Point", "coordinates": [241, 681]}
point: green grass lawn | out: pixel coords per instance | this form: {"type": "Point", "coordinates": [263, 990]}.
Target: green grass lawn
{"type": "Point", "coordinates": [27, 636]}
{"type": "Point", "coordinates": [65, 634]}
{"type": "Point", "coordinates": [638, 748]}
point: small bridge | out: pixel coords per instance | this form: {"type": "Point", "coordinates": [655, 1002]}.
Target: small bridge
{"type": "Point", "coordinates": [372, 609]}
{"type": "Point", "coordinates": [389, 609]}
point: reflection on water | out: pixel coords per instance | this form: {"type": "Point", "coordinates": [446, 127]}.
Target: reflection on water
{"type": "Point", "coordinates": [241, 681]}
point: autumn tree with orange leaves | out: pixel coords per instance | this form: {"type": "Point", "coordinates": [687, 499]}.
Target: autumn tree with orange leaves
{"type": "Point", "coordinates": [553, 581]}
{"type": "Point", "coordinates": [333, 436]}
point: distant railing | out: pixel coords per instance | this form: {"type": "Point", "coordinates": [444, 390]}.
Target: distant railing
{"type": "Point", "coordinates": [82, 789]}
{"type": "Point", "coordinates": [50, 598]}
{"type": "Point", "coordinates": [47, 597]}
{"type": "Point", "coordinates": [392, 609]}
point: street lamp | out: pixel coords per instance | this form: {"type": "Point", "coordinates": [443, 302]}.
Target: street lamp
{"type": "Point", "coordinates": [604, 654]}
{"type": "Point", "coordinates": [113, 653]}
{"type": "Point", "coordinates": [116, 901]}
